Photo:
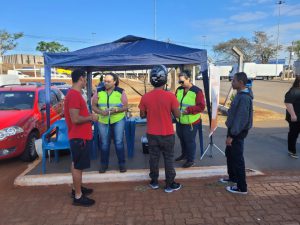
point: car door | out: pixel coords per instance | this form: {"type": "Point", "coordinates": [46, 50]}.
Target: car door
{"type": "Point", "coordinates": [54, 108]}
{"type": "Point", "coordinates": [59, 107]}
{"type": "Point", "coordinates": [42, 122]}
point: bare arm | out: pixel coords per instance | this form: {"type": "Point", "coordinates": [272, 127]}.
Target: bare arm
{"type": "Point", "coordinates": [143, 114]}
{"type": "Point", "coordinates": [95, 106]}
{"type": "Point", "coordinates": [176, 112]}
{"type": "Point", "coordinates": [77, 119]}
{"type": "Point", "coordinates": [290, 109]}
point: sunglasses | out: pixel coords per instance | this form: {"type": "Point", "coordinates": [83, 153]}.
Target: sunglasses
{"type": "Point", "coordinates": [180, 82]}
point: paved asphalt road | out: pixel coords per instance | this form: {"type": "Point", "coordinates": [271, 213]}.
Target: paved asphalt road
{"type": "Point", "coordinates": [267, 94]}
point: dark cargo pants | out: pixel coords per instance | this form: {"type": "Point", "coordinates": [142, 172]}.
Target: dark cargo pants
{"type": "Point", "coordinates": [165, 145]}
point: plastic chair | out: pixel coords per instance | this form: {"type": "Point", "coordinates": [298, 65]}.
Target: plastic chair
{"type": "Point", "coordinates": [60, 142]}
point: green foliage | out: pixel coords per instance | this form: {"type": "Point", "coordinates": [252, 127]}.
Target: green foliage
{"type": "Point", "coordinates": [264, 48]}
{"type": "Point", "coordinates": [8, 40]}
{"type": "Point", "coordinates": [52, 46]}
{"type": "Point", "coordinates": [224, 49]}
{"type": "Point", "coordinates": [295, 48]}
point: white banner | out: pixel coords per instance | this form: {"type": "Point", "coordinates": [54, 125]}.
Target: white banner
{"type": "Point", "coordinates": [214, 83]}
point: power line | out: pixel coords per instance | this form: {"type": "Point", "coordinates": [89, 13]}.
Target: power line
{"type": "Point", "coordinates": [65, 39]}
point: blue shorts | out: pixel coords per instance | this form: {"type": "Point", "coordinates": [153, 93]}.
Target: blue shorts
{"type": "Point", "coordinates": [80, 152]}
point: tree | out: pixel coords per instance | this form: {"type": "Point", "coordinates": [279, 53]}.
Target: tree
{"type": "Point", "coordinates": [295, 48]}
{"type": "Point", "coordinates": [264, 48]}
{"type": "Point", "coordinates": [7, 42]}
{"type": "Point", "coordinates": [52, 46]}
{"type": "Point", "coordinates": [224, 49]}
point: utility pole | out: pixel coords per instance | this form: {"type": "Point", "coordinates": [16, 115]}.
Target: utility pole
{"type": "Point", "coordinates": [154, 19]}
{"type": "Point", "coordinates": [290, 58]}
{"type": "Point", "coordinates": [279, 3]}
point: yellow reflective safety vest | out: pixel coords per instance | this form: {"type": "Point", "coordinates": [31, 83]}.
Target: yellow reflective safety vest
{"type": "Point", "coordinates": [189, 99]}
{"type": "Point", "coordinates": [105, 102]}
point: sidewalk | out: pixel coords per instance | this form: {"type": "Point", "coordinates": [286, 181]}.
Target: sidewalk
{"type": "Point", "coordinates": [272, 199]}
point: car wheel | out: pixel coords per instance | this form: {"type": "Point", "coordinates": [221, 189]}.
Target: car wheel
{"type": "Point", "coordinates": [30, 153]}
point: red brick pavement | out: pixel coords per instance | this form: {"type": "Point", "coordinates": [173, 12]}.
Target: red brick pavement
{"type": "Point", "coordinates": [272, 199]}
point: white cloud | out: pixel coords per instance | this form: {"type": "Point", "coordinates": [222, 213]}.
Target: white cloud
{"type": "Point", "coordinates": [247, 3]}
{"type": "Point", "coordinates": [249, 16]}
{"type": "Point", "coordinates": [288, 10]}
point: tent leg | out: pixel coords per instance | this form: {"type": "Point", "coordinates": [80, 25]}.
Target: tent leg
{"type": "Point", "coordinates": [89, 89]}
{"type": "Point", "coordinates": [47, 92]}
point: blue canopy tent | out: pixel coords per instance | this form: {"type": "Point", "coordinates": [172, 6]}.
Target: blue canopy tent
{"type": "Point", "coordinates": [127, 53]}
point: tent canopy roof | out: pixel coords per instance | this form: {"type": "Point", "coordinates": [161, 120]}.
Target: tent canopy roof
{"type": "Point", "coordinates": [128, 53]}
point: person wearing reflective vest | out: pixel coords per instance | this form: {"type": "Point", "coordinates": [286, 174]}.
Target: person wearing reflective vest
{"type": "Point", "coordinates": [110, 102]}
{"type": "Point", "coordinates": [192, 103]}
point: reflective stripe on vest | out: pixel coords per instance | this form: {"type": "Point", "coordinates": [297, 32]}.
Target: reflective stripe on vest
{"type": "Point", "coordinates": [105, 101]}
{"type": "Point", "coordinates": [189, 99]}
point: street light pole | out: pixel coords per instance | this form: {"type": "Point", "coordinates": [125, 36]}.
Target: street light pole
{"type": "Point", "coordinates": [154, 19]}
{"type": "Point", "coordinates": [279, 3]}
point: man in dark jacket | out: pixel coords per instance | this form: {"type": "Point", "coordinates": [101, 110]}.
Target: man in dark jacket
{"type": "Point", "coordinates": [239, 121]}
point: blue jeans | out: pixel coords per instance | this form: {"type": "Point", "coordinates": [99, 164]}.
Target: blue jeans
{"type": "Point", "coordinates": [106, 131]}
{"type": "Point", "coordinates": [187, 136]}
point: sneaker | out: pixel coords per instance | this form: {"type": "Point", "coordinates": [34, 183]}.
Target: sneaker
{"type": "Point", "coordinates": [123, 169]}
{"type": "Point", "coordinates": [103, 168]}
{"type": "Point", "coordinates": [188, 164]}
{"type": "Point", "coordinates": [293, 155]}
{"type": "Point", "coordinates": [226, 181]}
{"type": "Point", "coordinates": [154, 184]}
{"type": "Point", "coordinates": [83, 201]}
{"type": "Point", "coordinates": [235, 190]}
{"type": "Point", "coordinates": [173, 187]}
{"type": "Point", "coordinates": [182, 157]}
{"type": "Point", "coordinates": [84, 191]}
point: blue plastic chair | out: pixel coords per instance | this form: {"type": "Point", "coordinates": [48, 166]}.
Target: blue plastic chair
{"type": "Point", "coordinates": [60, 142]}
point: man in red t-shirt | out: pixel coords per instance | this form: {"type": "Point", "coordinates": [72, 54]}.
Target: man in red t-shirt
{"type": "Point", "coordinates": [79, 120]}
{"type": "Point", "coordinates": [158, 106]}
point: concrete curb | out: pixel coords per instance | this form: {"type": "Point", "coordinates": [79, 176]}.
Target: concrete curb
{"type": "Point", "coordinates": [116, 176]}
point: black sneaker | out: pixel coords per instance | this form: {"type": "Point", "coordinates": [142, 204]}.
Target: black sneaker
{"type": "Point", "coordinates": [84, 191]}
{"type": "Point", "coordinates": [182, 157]}
{"type": "Point", "coordinates": [188, 164]}
{"type": "Point", "coordinates": [123, 169]}
{"type": "Point", "coordinates": [103, 168]}
{"type": "Point", "coordinates": [154, 184]}
{"type": "Point", "coordinates": [173, 187]}
{"type": "Point", "coordinates": [83, 201]}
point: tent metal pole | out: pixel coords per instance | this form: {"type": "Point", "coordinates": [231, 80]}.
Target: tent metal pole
{"type": "Point", "coordinates": [89, 89]}
{"type": "Point", "coordinates": [47, 92]}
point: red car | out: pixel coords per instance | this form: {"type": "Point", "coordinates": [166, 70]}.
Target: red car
{"type": "Point", "coordinates": [23, 119]}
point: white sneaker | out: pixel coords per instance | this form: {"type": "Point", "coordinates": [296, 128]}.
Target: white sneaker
{"type": "Point", "coordinates": [226, 181]}
{"type": "Point", "coordinates": [293, 155]}
{"type": "Point", "coordinates": [235, 190]}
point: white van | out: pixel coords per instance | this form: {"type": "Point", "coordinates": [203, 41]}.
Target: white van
{"type": "Point", "coordinates": [6, 79]}
{"type": "Point", "coordinates": [19, 73]}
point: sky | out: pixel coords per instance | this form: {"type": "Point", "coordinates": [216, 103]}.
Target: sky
{"type": "Point", "coordinates": [194, 23]}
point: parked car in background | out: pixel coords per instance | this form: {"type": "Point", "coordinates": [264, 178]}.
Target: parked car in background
{"type": "Point", "coordinates": [23, 118]}
{"type": "Point", "coordinates": [64, 88]}
{"type": "Point", "coordinates": [6, 79]}
{"type": "Point", "coordinates": [32, 83]}
{"type": "Point", "coordinates": [58, 83]}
